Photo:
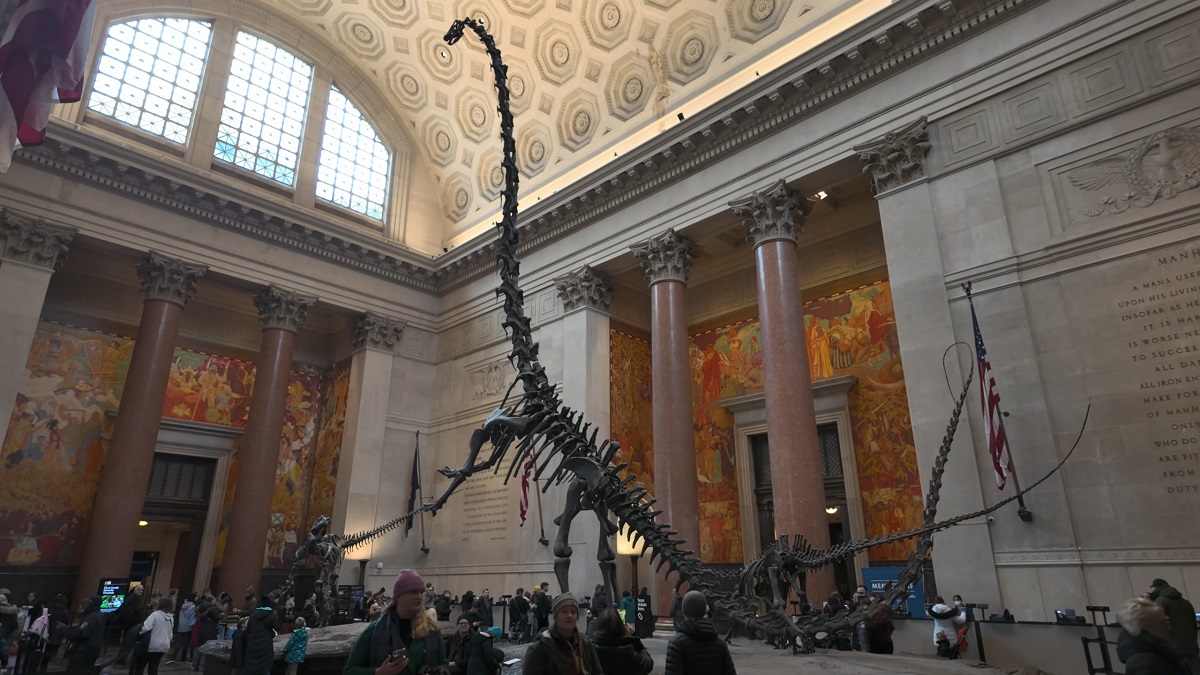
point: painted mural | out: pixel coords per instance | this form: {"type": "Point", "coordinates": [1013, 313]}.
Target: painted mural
{"type": "Point", "coordinates": [849, 334]}
{"type": "Point", "coordinates": [331, 427]}
{"type": "Point", "coordinates": [631, 415]}
{"type": "Point", "coordinates": [60, 424]}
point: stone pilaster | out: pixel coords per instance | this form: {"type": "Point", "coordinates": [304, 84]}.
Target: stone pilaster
{"type": "Point", "coordinates": [777, 212]}
{"type": "Point", "coordinates": [374, 331]}
{"type": "Point", "coordinates": [282, 309]}
{"type": "Point", "coordinates": [584, 288]}
{"type": "Point", "coordinates": [898, 158]}
{"type": "Point", "coordinates": [666, 257]}
{"type": "Point", "coordinates": [168, 279]}
{"type": "Point", "coordinates": [33, 242]}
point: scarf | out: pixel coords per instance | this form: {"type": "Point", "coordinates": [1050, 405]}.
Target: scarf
{"type": "Point", "coordinates": [391, 633]}
{"type": "Point", "coordinates": [567, 654]}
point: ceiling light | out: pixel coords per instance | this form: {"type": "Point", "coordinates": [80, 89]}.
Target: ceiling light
{"type": "Point", "coordinates": [831, 510]}
{"type": "Point", "coordinates": [821, 194]}
{"type": "Point", "coordinates": [143, 523]}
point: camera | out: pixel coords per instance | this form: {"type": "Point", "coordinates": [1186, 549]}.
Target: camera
{"type": "Point", "coordinates": [991, 519]}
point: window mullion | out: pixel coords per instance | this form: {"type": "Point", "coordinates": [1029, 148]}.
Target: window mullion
{"type": "Point", "coordinates": [212, 96]}
{"type": "Point", "coordinates": [310, 149]}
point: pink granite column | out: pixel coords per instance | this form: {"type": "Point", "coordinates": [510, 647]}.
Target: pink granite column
{"type": "Point", "coordinates": [667, 260]}
{"type": "Point", "coordinates": [112, 534]}
{"type": "Point", "coordinates": [282, 312]}
{"type": "Point", "coordinates": [773, 219]}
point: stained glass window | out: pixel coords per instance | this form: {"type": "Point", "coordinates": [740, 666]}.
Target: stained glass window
{"type": "Point", "coordinates": [265, 104]}
{"type": "Point", "coordinates": [353, 168]}
{"type": "Point", "coordinates": [149, 74]}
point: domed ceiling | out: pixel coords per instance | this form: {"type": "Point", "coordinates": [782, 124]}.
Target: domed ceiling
{"type": "Point", "coordinates": [590, 79]}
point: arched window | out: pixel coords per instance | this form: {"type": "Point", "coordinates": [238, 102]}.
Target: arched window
{"type": "Point", "coordinates": [149, 73]}
{"type": "Point", "coordinates": [263, 119]}
{"type": "Point", "coordinates": [353, 168]}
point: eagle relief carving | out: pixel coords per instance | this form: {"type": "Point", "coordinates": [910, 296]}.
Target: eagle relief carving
{"type": "Point", "coordinates": [1160, 167]}
{"type": "Point", "coordinates": [491, 380]}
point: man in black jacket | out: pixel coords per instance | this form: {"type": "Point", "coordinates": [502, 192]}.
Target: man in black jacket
{"type": "Point", "coordinates": [87, 639]}
{"type": "Point", "coordinates": [1182, 616]}
{"type": "Point", "coordinates": [519, 625]}
{"type": "Point", "coordinates": [696, 649]}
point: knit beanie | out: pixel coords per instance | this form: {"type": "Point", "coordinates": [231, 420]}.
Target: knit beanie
{"type": "Point", "coordinates": [694, 605]}
{"type": "Point", "coordinates": [408, 581]}
{"type": "Point", "coordinates": [563, 600]}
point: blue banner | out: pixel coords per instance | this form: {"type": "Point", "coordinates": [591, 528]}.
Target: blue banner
{"type": "Point", "coordinates": [879, 579]}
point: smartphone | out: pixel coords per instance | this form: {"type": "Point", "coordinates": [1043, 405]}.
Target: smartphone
{"type": "Point", "coordinates": [399, 655]}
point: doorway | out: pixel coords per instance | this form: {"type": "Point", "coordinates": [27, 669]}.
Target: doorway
{"type": "Point", "coordinates": [173, 522]}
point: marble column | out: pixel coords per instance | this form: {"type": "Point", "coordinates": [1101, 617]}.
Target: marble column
{"type": "Point", "coordinates": [168, 284]}
{"type": "Point", "coordinates": [586, 297]}
{"type": "Point", "coordinates": [282, 313]}
{"type": "Point", "coordinates": [29, 253]}
{"type": "Point", "coordinates": [896, 162]}
{"type": "Point", "coordinates": [361, 463]}
{"type": "Point", "coordinates": [773, 219]}
{"type": "Point", "coordinates": [667, 261]}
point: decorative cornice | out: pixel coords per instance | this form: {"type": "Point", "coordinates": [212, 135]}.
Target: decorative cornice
{"type": "Point", "coordinates": [1103, 556]}
{"type": "Point", "coordinates": [666, 257]}
{"type": "Point", "coordinates": [777, 212]}
{"type": "Point", "coordinates": [282, 309]}
{"type": "Point", "coordinates": [169, 279]}
{"type": "Point", "coordinates": [376, 332]}
{"type": "Point", "coordinates": [702, 141]}
{"type": "Point", "coordinates": [33, 242]}
{"type": "Point", "coordinates": [898, 158]}
{"type": "Point", "coordinates": [584, 287]}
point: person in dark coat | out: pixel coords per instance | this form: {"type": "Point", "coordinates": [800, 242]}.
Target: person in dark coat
{"type": "Point", "coordinates": [879, 631]}
{"type": "Point", "coordinates": [442, 606]}
{"type": "Point", "coordinates": [560, 649]}
{"type": "Point", "coordinates": [482, 656]}
{"type": "Point", "coordinates": [696, 650]}
{"type": "Point", "coordinates": [403, 626]}
{"type": "Point", "coordinates": [457, 647]}
{"type": "Point", "coordinates": [208, 617]}
{"type": "Point", "coordinates": [260, 639]}
{"type": "Point", "coordinates": [1182, 616]}
{"type": "Point", "coordinates": [485, 608]}
{"type": "Point", "coordinates": [86, 639]}
{"type": "Point", "coordinates": [60, 618]}
{"type": "Point", "coordinates": [519, 624]}
{"type": "Point", "coordinates": [468, 601]}
{"type": "Point", "coordinates": [237, 650]}
{"type": "Point", "coordinates": [619, 652]}
{"type": "Point", "coordinates": [1144, 642]}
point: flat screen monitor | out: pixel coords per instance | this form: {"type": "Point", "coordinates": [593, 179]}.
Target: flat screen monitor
{"type": "Point", "coordinates": [112, 594]}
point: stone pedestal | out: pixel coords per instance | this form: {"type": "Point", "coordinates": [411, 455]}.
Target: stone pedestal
{"type": "Point", "coordinates": [374, 339]}
{"type": "Point", "coordinates": [28, 255]}
{"type": "Point", "coordinates": [773, 219]}
{"type": "Point", "coordinates": [168, 284]}
{"type": "Point", "coordinates": [282, 313]}
{"type": "Point", "coordinates": [667, 260]}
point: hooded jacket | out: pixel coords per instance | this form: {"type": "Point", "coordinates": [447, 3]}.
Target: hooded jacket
{"type": "Point", "coordinates": [1182, 616]}
{"type": "Point", "coordinates": [947, 619]}
{"type": "Point", "coordinates": [622, 654]}
{"type": "Point", "coordinates": [297, 646]}
{"type": "Point", "coordinates": [160, 625]}
{"type": "Point", "coordinates": [549, 650]}
{"type": "Point", "coordinates": [260, 642]}
{"type": "Point", "coordinates": [695, 650]}
{"type": "Point", "coordinates": [481, 654]}
{"type": "Point", "coordinates": [1147, 654]}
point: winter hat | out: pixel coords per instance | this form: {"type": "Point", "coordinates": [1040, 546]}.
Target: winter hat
{"type": "Point", "coordinates": [265, 601]}
{"type": "Point", "coordinates": [694, 605]}
{"type": "Point", "coordinates": [1157, 582]}
{"type": "Point", "coordinates": [563, 600]}
{"type": "Point", "coordinates": [408, 581]}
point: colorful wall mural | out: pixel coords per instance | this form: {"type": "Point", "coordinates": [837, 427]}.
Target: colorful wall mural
{"type": "Point", "coordinates": [850, 334]}
{"type": "Point", "coordinates": [631, 415]}
{"type": "Point", "coordinates": [331, 426]}
{"type": "Point", "coordinates": [57, 437]}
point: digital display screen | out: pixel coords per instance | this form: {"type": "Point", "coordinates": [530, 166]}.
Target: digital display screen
{"type": "Point", "coordinates": [112, 593]}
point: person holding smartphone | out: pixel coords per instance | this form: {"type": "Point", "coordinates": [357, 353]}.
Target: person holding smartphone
{"type": "Point", "coordinates": [405, 640]}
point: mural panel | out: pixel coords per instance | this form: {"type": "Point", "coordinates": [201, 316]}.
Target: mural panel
{"type": "Point", "coordinates": [631, 415]}
{"type": "Point", "coordinates": [331, 427]}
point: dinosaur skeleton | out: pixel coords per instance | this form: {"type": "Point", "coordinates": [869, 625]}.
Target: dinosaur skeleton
{"type": "Point", "coordinates": [563, 448]}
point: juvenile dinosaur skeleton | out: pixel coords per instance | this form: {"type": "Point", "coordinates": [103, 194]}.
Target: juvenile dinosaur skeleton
{"type": "Point", "coordinates": [564, 448]}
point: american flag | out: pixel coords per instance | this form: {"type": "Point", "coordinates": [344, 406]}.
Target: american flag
{"type": "Point", "coordinates": [524, 505]}
{"type": "Point", "coordinates": [42, 57]}
{"type": "Point", "coordinates": [993, 426]}
{"type": "Point", "coordinates": [414, 487]}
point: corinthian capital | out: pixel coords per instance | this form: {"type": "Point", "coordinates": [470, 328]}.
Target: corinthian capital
{"type": "Point", "coordinates": [283, 309]}
{"type": "Point", "coordinates": [32, 241]}
{"type": "Point", "coordinates": [375, 331]}
{"type": "Point", "coordinates": [896, 159]}
{"type": "Point", "coordinates": [777, 212]}
{"type": "Point", "coordinates": [169, 279]}
{"type": "Point", "coordinates": [584, 287]}
{"type": "Point", "coordinates": [666, 257]}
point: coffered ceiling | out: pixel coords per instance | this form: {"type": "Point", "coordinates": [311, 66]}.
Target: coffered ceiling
{"type": "Point", "coordinates": [591, 80]}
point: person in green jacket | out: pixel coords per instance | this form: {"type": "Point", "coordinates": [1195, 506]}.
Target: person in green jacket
{"type": "Point", "coordinates": [405, 640]}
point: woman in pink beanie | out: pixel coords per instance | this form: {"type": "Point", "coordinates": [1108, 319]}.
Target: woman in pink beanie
{"type": "Point", "coordinates": [404, 640]}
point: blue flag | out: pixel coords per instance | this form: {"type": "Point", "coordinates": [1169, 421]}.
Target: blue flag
{"type": "Point", "coordinates": [414, 487]}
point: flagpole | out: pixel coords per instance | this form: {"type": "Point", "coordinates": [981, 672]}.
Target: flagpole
{"type": "Point", "coordinates": [541, 519]}
{"type": "Point", "coordinates": [420, 496]}
{"type": "Point", "coordinates": [1022, 511]}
